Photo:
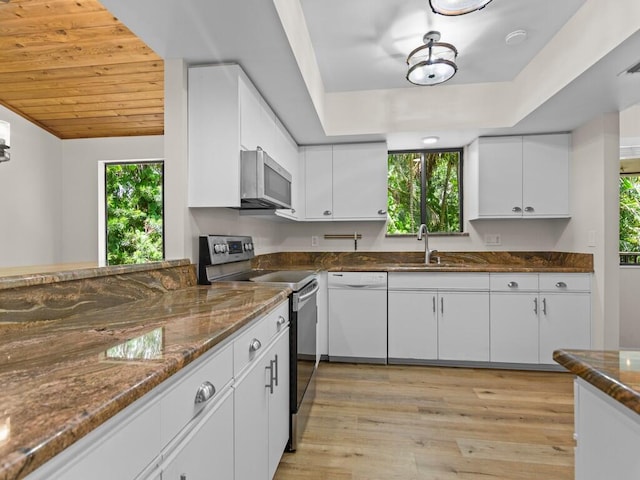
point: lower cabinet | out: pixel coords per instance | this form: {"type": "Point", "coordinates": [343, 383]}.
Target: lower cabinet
{"type": "Point", "coordinates": [463, 326]}
{"type": "Point", "coordinates": [261, 411]}
{"type": "Point", "coordinates": [206, 451]}
{"type": "Point", "coordinates": [534, 314]}
{"type": "Point", "coordinates": [438, 316]}
{"type": "Point", "coordinates": [412, 325]}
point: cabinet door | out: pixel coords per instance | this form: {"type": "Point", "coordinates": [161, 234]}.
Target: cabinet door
{"type": "Point", "coordinates": [565, 322]}
{"type": "Point", "coordinates": [413, 325]}
{"type": "Point", "coordinates": [279, 401]}
{"type": "Point", "coordinates": [250, 117]}
{"type": "Point", "coordinates": [545, 175]}
{"type": "Point", "coordinates": [318, 182]}
{"type": "Point", "coordinates": [463, 326]}
{"type": "Point", "coordinates": [360, 181]}
{"type": "Point", "coordinates": [514, 327]}
{"type": "Point", "coordinates": [252, 423]}
{"type": "Point", "coordinates": [500, 177]}
{"type": "Point", "coordinates": [207, 451]}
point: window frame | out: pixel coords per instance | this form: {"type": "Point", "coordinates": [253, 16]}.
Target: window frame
{"type": "Point", "coordinates": [103, 207]}
{"type": "Point", "coordinates": [423, 185]}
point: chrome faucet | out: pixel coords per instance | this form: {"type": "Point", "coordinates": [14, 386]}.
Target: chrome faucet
{"type": "Point", "coordinates": [423, 231]}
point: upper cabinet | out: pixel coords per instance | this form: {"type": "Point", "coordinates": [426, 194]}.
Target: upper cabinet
{"type": "Point", "coordinates": [345, 182]}
{"type": "Point", "coordinates": [520, 177]}
{"type": "Point", "coordinates": [226, 115]}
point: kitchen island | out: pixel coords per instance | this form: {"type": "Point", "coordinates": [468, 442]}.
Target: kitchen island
{"type": "Point", "coordinates": [607, 412]}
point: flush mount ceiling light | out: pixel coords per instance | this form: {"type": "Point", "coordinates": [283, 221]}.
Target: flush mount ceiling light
{"type": "Point", "coordinates": [457, 7]}
{"type": "Point", "coordinates": [430, 140]}
{"type": "Point", "coordinates": [432, 63]}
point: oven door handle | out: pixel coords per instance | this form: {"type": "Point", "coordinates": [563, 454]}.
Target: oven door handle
{"type": "Point", "coordinates": [304, 297]}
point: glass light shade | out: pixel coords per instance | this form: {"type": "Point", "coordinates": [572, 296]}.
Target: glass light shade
{"type": "Point", "coordinates": [456, 7]}
{"type": "Point", "coordinates": [432, 64]}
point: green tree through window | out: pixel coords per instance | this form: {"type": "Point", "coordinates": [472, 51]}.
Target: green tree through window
{"type": "Point", "coordinates": [424, 187]}
{"type": "Point", "coordinates": [134, 211]}
{"type": "Point", "coordinates": [630, 213]}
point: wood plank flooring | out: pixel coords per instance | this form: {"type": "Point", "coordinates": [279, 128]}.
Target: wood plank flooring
{"type": "Point", "coordinates": [432, 423]}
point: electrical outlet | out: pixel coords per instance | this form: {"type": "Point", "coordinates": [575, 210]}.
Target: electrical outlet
{"type": "Point", "coordinates": [492, 239]}
{"type": "Point", "coordinates": [591, 238]}
{"type": "Point", "coordinates": [314, 241]}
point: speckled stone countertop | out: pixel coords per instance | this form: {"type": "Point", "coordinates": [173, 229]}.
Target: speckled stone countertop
{"type": "Point", "coordinates": [616, 373]}
{"type": "Point", "coordinates": [59, 381]}
{"type": "Point", "coordinates": [497, 261]}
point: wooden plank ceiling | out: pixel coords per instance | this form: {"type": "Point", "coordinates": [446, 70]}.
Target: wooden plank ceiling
{"type": "Point", "coordinates": [72, 68]}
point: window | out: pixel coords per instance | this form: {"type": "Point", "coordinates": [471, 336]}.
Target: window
{"type": "Point", "coordinates": [424, 186]}
{"type": "Point", "coordinates": [629, 219]}
{"type": "Point", "coordinates": [134, 212]}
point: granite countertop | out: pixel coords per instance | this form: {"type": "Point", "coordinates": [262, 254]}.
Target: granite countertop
{"type": "Point", "coordinates": [493, 262]}
{"type": "Point", "coordinates": [60, 378]}
{"type": "Point", "coordinates": [616, 373]}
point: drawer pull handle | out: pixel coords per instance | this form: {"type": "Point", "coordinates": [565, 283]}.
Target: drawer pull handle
{"type": "Point", "coordinates": [544, 306]}
{"type": "Point", "coordinates": [255, 345]}
{"type": "Point", "coordinates": [382, 212]}
{"type": "Point", "coordinates": [205, 392]}
{"type": "Point", "coordinates": [512, 284]}
{"type": "Point", "coordinates": [516, 209]}
{"type": "Point", "coordinates": [528, 209]}
{"type": "Point", "coordinates": [535, 306]}
{"type": "Point", "coordinates": [561, 285]}
{"type": "Point", "coordinates": [281, 321]}
{"type": "Point", "coordinates": [327, 212]}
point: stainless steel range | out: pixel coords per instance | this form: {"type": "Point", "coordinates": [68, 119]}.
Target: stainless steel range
{"type": "Point", "coordinates": [228, 258]}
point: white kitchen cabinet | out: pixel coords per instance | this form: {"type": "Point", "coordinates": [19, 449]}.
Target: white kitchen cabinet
{"type": "Point", "coordinates": [463, 326]}
{"type": "Point", "coordinates": [227, 115]}
{"type": "Point", "coordinates": [207, 450]}
{"type": "Point", "coordinates": [520, 177]}
{"type": "Point", "coordinates": [261, 404]}
{"type": "Point", "coordinates": [413, 325]}
{"type": "Point", "coordinates": [346, 182]}
{"type": "Point", "coordinates": [607, 436]}
{"type": "Point", "coordinates": [438, 316]}
{"type": "Point", "coordinates": [534, 314]}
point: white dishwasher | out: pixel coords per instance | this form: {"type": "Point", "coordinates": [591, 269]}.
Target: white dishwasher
{"type": "Point", "coordinates": [357, 317]}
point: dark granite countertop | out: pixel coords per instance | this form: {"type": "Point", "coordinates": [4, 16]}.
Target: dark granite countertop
{"type": "Point", "coordinates": [59, 382]}
{"type": "Point", "coordinates": [616, 373]}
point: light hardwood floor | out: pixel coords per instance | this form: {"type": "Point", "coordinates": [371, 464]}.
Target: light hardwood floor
{"type": "Point", "coordinates": [431, 423]}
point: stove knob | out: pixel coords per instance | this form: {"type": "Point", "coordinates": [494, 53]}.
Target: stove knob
{"type": "Point", "coordinates": [217, 248]}
{"type": "Point", "coordinates": [249, 246]}
{"type": "Point", "coordinates": [224, 247]}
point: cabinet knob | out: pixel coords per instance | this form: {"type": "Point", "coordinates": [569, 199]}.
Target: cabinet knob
{"type": "Point", "coordinates": [293, 210]}
{"type": "Point", "coordinates": [327, 212]}
{"type": "Point", "coordinates": [281, 321]}
{"type": "Point", "coordinates": [512, 284]}
{"type": "Point", "coordinates": [528, 209]}
{"type": "Point", "coordinates": [183, 477]}
{"type": "Point", "coordinates": [516, 209]}
{"type": "Point", "coordinates": [561, 285]}
{"type": "Point", "coordinates": [382, 212]}
{"type": "Point", "coordinates": [255, 345]}
{"type": "Point", "coordinates": [205, 392]}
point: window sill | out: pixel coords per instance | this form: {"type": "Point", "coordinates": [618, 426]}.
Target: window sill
{"type": "Point", "coordinates": [434, 234]}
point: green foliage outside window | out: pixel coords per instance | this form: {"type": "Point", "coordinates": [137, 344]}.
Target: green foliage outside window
{"type": "Point", "coordinates": [134, 209]}
{"type": "Point", "coordinates": [630, 214]}
{"type": "Point", "coordinates": [437, 202]}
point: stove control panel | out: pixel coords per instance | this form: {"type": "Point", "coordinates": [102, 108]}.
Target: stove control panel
{"type": "Point", "coordinates": [219, 249]}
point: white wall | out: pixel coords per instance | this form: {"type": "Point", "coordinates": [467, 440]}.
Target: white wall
{"type": "Point", "coordinates": [79, 174]}
{"type": "Point", "coordinates": [30, 192]}
{"type": "Point", "coordinates": [629, 307]}
{"type": "Point", "coordinates": [595, 208]}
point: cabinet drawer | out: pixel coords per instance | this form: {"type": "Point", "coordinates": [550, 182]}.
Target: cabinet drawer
{"type": "Point", "coordinates": [245, 347]}
{"type": "Point", "coordinates": [565, 282]}
{"type": "Point", "coordinates": [438, 281]}
{"type": "Point", "coordinates": [513, 282]}
{"type": "Point", "coordinates": [178, 404]}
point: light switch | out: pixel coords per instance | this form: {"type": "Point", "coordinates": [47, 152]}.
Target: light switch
{"type": "Point", "coordinates": [591, 238]}
{"type": "Point", "coordinates": [492, 239]}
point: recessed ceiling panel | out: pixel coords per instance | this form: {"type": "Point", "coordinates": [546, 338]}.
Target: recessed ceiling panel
{"type": "Point", "coordinates": [363, 45]}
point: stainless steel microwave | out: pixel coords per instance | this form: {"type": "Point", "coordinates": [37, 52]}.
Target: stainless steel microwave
{"type": "Point", "coordinates": [263, 182]}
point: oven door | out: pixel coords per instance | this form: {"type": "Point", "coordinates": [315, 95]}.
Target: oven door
{"type": "Point", "coordinates": [304, 319]}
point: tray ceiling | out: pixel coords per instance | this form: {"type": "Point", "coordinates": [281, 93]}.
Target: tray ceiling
{"type": "Point", "coordinates": [75, 70]}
